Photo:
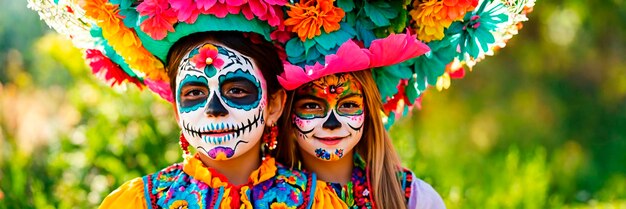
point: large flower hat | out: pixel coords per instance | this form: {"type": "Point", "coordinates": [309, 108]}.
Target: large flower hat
{"type": "Point", "coordinates": [407, 44]}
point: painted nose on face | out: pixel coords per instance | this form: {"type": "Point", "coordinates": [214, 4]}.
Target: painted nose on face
{"type": "Point", "coordinates": [332, 122]}
{"type": "Point", "coordinates": [215, 107]}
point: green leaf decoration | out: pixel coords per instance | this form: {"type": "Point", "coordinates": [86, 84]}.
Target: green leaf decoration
{"type": "Point", "coordinates": [400, 22]}
{"type": "Point", "coordinates": [431, 65]}
{"type": "Point", "coordinates": [312, 56]}
{"type": "Point", "coordinates": [323, 51]}
{"type": "Point", "coordinates": [380, 12]}
{"type": "Point", "coordinates": [130, 14]}
{"type": "Point", "coordinates": [335, 38]}
{"type": "Point", "coordinates": [388, 77]}
{"type": "Point", "coordinates": [364, 32]}
{"type": "Point", "coordinates": [294, 47]}
{"type": "Point", "coordinates": [346, 5]}
{"type": "Point", "coordinates": [308, 44]}
{"type": "Point", "coordinates": [298, 59]}
{"type": "Point", "coordinates": [411, 90]}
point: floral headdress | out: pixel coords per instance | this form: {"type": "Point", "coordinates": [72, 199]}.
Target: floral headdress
{"type": "Point", "coordinates": [407, 44]}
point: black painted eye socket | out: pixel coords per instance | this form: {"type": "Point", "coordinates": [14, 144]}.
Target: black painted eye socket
{"type": "Point", "coordinates": [239, 91]}
{"type": "Point", "coordinates": [193, 94]}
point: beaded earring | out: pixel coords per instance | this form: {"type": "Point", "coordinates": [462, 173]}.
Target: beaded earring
{"type": "Point", "coordinates": [269, 140]}
{"type": "Point", "coordinates": [184, 144]}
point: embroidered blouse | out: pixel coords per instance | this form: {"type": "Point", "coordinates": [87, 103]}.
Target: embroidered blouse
{"type": "Point", "coordinates": [193, 185]}
{"type": "Point", "coordinates": [356, 194]}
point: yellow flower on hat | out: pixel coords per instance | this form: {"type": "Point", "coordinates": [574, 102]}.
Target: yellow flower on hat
{"type": "Point", "coordinates": [433, 16]}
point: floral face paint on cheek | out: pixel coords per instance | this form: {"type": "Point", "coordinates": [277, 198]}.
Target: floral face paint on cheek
{"type": "Point", "coordinates": [221, 101]}
{"type": "Point", "coordinates": [328, 116]}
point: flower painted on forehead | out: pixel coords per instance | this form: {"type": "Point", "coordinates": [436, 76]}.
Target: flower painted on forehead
{"type": "Point", "coordinates": [207, 55]}
{"type": "Point", "coordinates": [331, 85]}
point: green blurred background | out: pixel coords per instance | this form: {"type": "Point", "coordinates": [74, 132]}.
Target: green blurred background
{"type": "Point", "coordinates": [540, 125]}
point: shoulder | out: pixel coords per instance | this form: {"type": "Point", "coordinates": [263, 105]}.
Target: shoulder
{"type": "Point", "coordinates": [129, 195]}
{"type": "Point", "coordinates": [137, 192]}
{"type": "Point", "coordinates": [421, 195]}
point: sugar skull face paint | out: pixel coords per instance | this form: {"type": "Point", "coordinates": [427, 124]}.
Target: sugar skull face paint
{"type": "Point", "coordinates": [328, 116]}
{"type": "Point", "coordinates": [221, 101]}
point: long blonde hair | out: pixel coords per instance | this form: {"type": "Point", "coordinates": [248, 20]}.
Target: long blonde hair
{"type": "Point", "coordinates": [375, 146]}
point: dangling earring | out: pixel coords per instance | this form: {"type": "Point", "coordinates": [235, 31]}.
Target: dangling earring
{"type": "Point", "coordinates": [184, 144]}
{"type": "Point", "coordinates": [269, 141]}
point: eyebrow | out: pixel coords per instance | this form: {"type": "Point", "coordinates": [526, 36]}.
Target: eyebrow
{"type": "Point", "coordinates": [351, 95]}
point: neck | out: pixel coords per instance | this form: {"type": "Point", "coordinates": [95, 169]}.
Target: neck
{"type": "Point", "coordinates": [338, 171]}
{"type": "Point", "coordinates": [245, 164]}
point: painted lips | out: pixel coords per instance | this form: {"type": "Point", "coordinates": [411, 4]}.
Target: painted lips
{"type": "Point", "coordinates": [218, 133]}
{"type": "Point", "coordinates": [330, 141]}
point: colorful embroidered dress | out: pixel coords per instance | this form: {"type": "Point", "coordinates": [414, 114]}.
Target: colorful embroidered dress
{"type": "Point", "coordinates": [193, 185]}
{"type": "Point", "coordinates": [356, 194]}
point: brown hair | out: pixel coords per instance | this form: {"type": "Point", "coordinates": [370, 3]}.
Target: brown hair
{"type": "Point", "coordinates": [262, 52]}
{"type": "Point", "coordinates": [375, 146]}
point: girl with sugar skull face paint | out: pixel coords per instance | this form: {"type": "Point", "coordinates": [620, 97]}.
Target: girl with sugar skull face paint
{"type": "Point", "coordinates": [328, 116]}
{"type": "Point", "coordinates": [221, 101]}
{"type": "Point", "coordinates": [227, 103]}
{"type": "Point", "coordinates": [339, 135]}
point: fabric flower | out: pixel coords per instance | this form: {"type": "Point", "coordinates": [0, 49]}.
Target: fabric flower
{"type": "Point", "coordinates": [161, 88]}
{"type": "Point", "coordinates": [161, 18]}
{"type": "Point", "coordinates": [266, 10]}
{"type": "Point", "coordinates": [123, 39]}
{"type": "Point", "coordinates": [433, 16]}
{"type": "Point", "coordinates": [186, 10]}
{"type": "Point", "coordinates": [207, 55]}
{"type": "Point", "coordinates": [308, 17]}
{"type": "Point", "coordinates": [395, 49]}
{"type": "Point", "coordinates": [474, 34]}
{"type": "Point", "coordinates": [111, 72]}
{"type": "Point", "coordinates": [397, 102]}
{"type": "Point", "coordinates": [350, 57]}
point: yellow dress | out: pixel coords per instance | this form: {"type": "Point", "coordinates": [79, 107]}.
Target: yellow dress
{"type": "Point", "coordinates": [193, 185]}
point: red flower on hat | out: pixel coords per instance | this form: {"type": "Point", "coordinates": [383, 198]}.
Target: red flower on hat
{"type": "Point", "coordinates": [107, 69]}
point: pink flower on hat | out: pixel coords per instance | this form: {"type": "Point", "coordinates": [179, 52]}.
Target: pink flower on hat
{"type": "Point", "coordinates": [207, 55]}
{"type": "Point", "coordinates": [161, 18]}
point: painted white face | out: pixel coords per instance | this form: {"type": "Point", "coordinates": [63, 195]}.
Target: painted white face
{"type": "Point", "coordinates": [221, 101]}
{"type": "Point", "coordinates": [328, 116]}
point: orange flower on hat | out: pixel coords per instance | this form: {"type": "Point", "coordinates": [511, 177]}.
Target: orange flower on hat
{"type": "Point", "coordinates": [431, 17]}
{"type": "Point", "coordinates": [308, 18]}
